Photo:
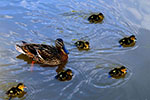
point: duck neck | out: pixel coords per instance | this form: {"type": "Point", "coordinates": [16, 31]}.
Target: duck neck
{"type": "Point", "coordinates": [64, 56]}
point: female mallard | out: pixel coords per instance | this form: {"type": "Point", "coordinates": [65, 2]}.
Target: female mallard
{"type": "Point", "coordinates": [45, 54]}
{"type": "Point", "coordinates": [16, 90]}
{"type": "Point", "coordinates": [96, 18]}
{"type": "Point", "coordinates": [64, 75]}
{"type": "Point", "coordinates": [82, 45]}
{"type": "Point", "coordinates": [128, 41]}
{"type": "Point", "coordinates": [118, 72]}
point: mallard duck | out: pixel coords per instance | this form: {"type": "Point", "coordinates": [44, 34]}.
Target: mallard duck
{"type": "Point", "coordinates": [128, 41]}
{"type": "Point", "coordinates": [82, 45]}
{"type": "Point", "coordinates": [45, 54]}
{"type": "Point", "coordinates": [96, 18]}
{"type": "Point", "coordinates": [64, 75]}
{"type": "Point", "coordinates": [118, 72]}
{"type": "Point", "coordinates": [16, 90]}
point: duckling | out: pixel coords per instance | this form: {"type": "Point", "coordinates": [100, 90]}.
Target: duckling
{"type": "Point", "coordinates": [64, 75]}
{"type": "Point", "coordinates": [16, 90]}
{"type": "Point", "coordinates": [82, 45]}
{"type": "Point", "coordinates": [128, 41]}
{"type": "Point", "coordinates": [96, 18]}
{"type": "Point", "coordinates": [118, 72]}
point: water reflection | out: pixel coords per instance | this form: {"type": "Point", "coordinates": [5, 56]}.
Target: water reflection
{"type": "Point", "coordinates": [30, 61]}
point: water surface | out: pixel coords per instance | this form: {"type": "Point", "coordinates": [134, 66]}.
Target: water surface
{"type": "Point", "coordinates": [43, 21]}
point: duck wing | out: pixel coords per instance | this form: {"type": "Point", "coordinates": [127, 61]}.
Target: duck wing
{"type": "Point", "coordinates": [47, 52]}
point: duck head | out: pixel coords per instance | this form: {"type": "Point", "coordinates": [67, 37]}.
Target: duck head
{"type": "Point", "coordinates": [60, 44]}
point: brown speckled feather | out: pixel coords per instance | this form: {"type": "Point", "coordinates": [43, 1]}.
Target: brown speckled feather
{"type": "Point", "coordinates": [41, 53]}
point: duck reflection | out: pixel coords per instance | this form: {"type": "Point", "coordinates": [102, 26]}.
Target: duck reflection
{"type": "Point", "coordinates": [30, 61]}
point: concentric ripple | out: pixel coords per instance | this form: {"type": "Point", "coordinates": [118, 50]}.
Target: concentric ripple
{"type": "Point", "coordinates": [99, 78]}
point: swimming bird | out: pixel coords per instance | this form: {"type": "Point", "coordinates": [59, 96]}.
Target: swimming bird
{"type": "Point", "coordinates": [96, 18]}
{"type": "Point", "coordinates": [64, 75]}
{"type": "Point", "coordinates": [128, 41]}
{"type": "Point", "coordinates": [118, 72]}
{"type": "Point", "coordinates": [82, 45]}
{"type": "Point", "coordinates": [45, 54]}
{"type": "Point", "coordinates": [16, 90]}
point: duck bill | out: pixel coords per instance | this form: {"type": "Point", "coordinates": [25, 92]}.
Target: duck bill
{"type": "Point", "coordinates": [124, 70]}
{"type": "Point", "coordinates": [65, 50]}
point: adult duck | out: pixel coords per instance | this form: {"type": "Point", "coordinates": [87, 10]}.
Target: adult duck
{"type": "Point", "coordinates": [45, 54]}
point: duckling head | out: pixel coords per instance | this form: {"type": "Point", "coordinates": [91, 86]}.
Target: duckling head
{"type": "Point", "coordinates": [21, 86]}
{"type": "Point", "coordinates": [132, 37]}
{"type": "Point", "coordinates": [87, 45]}
{"type": "Point", "coordinates": [101, 16]}
{"type": "Point", "coordinates": [60, 44]}
{"type": "Point", "coordinates": [123, 69]}
{"type": "Point", "coordinates": [69, 72]}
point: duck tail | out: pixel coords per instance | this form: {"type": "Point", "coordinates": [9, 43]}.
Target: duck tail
{"type": "Point", "coordinates": [24, 42]}
{"type": "Point", "coordinates": [10, 98]}
{"type": "Point", "coordinates": [19, 49]}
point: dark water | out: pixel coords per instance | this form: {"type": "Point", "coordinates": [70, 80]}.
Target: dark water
{"type": "Point", "coordinates": [42, 21]}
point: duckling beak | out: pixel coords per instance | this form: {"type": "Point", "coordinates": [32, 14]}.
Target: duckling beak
{"type": "Point", "coordinates": [24, 86]}
{"type": "Point", "coordinates": [100, 16]}
{"type": "Point", "coordinates": [124, 70]}
{"type": "Point", "coordinates": [133, 38]}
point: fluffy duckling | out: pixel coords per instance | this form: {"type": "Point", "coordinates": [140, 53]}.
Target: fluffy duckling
{"type": "Point", "coordinates": [128, 41]}
{"type": "Point", "coordinates": [96, 18]}
{"type": "Point", "coordinates": [16, 90]}
{"type": "Point", "coordinates": [64, 75]}
{"type": "Point", "coordinates": [118, 72]}
{"type": "Point", "coordinates": [82, 45]}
